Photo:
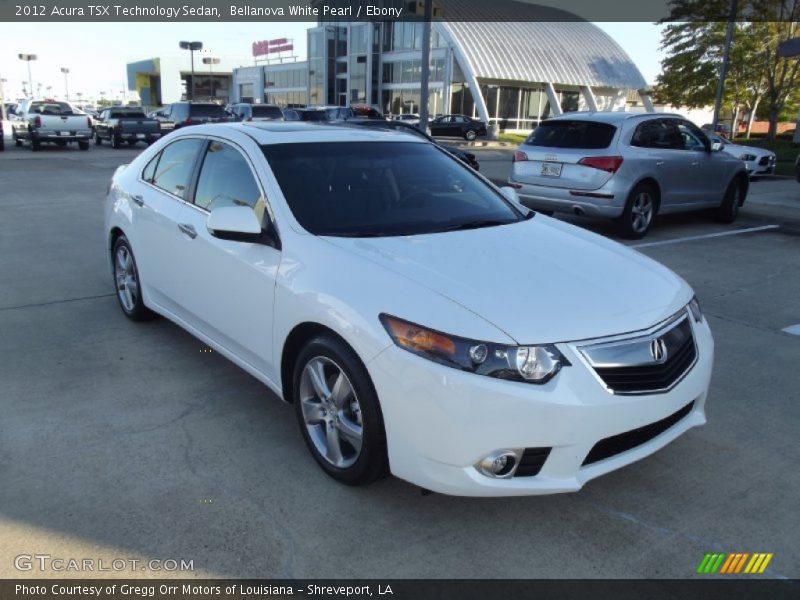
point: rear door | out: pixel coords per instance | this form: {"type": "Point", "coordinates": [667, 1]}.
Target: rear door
{"type": "Point", "coordinates": [162, 188]}
{"type": "Point", "coordinates": [552, 154]}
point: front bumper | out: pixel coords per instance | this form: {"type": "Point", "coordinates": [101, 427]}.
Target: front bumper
{"type": "Point", "coordinates": [440, 421]}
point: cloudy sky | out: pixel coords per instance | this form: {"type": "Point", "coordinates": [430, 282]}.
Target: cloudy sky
{"type": "Point", "coordinates": [96, 54]}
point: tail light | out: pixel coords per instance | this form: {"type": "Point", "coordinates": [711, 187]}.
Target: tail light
{"type": "Point", "coordinates": [189, 121]}
{"type": "Point", "coordinates": [249, 118]}
{"type": "Point", "coordinates": [37, 121]}
{"type": "Point", "coordinates": [89, 122]}
{"type": "Point", "coordinates": [520, 156]}
{"type": "Point", "coordinates": [605, 163]}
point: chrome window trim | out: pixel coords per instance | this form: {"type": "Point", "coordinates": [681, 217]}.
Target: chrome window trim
{"type": "Point", "coordinates": [579, 349]}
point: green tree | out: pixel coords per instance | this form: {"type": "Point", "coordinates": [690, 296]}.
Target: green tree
{"type": "Point", "coordinates": [757, 75]}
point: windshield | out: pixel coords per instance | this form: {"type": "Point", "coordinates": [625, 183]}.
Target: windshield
{"type": "Point", "coordinates": [564, 133]}
{"type": "Point", "coordinates": [208, 110]}
{"type": "Point", "coordinates": [127, 114]}
{"type": "Point", "coordinates": [374, 189]}
{"type": "Point", "coordinates": [267, 112]}
{"type": "Point", "coordinates": [313, 115]}
{"type": "Point", "coordinates": [51, 108]}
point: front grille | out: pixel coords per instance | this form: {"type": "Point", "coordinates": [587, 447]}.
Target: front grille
{"type": "Point", "coordinates": [764, 161]}
{"type": "Point", "coordinates": [532, 461]}
{"type": "Point", "coordinates": [655, 377]}
{"type": "Point", "coordinates": [617, 444]}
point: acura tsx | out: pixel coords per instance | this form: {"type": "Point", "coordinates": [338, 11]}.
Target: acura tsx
{"type": "Point", "coordinates": [421, 321]}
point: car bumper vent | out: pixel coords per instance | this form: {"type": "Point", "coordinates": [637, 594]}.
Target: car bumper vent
{"type": "Point", "coordinates": [531, 462]}
{"type": "Point", "coordinates": [617, 444]}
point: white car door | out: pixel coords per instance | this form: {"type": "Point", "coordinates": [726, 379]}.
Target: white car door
{"type": "Point", "coordinates": [226, 288]}
{"type": "Point", "coordinates": [156, 199]}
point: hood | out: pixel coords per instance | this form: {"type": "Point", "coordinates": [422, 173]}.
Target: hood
{"type": "Point", "coordinates": [539, 281]}
{"type": "Point", "coordinates": [737, 150]}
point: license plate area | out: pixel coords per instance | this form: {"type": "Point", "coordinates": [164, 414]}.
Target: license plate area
{"type": "Point", "coordinates": [63, 133]}
{"type": "Point", "coordinates": [551, 169]}
{"type": "Point", "coordinates": [140, 136]}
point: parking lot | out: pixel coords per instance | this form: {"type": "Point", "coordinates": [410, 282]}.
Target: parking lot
{"type": "Point", "coordinates": [122, 440]}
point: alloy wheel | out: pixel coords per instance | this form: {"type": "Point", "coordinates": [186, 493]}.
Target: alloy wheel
{"type": "Point", "coordinates": [641, 212]}
{"type": "Point", "coordinates": [331, 412]}
{"type": "Point", "coordinates": [125, 276]}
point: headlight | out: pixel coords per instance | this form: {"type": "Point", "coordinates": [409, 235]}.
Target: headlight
{"type": "Point", "coordinates": [747, 157]}
{"type": "Point", "coordinates": [531, 364]}
{"type": "Point", "coordinates": [694, 308]}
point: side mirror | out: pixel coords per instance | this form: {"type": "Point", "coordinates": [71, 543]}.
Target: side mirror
{"type": "Point", "coordinates": [235, 223]}
{"type": "Point", "coordinates": [717, 146]}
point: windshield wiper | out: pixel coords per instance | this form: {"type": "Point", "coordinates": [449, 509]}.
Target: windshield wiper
{"type": "Point", "coordinates": [475, 224]}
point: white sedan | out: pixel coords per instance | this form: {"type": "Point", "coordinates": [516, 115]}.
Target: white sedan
{"type": "Point", "coordinates": [757, 161]}
{"type": "Point", "coordinates": [421, 321]}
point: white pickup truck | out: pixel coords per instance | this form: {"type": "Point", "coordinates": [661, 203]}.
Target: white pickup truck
{"type": "Point", "coordinates": [50, 121]}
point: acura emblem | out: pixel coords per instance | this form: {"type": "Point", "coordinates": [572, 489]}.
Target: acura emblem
{"type": "Point", "coordinates": [658, 350]}
{"type": "Point", "coordinates": [550, 157]}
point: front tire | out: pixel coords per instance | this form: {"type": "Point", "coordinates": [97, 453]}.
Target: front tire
{"type": "Point", "coordinates": [639, 213]}
{"type": "Point", "coordinates": [97, 139]}
{"type": "Point", "coordinates": [115, 141]}
{"type": "Point", "coordinates": [36, 145]}
{"type": "Point", "coordinates": [17, 141]}
{"type": "Point", "coordinates": [338, 412]}
{"type": "Point", "coordinates": [83, 145]}
{"type": "Point", "coordinates": [127, 282]}
{"type": "Point", "coordinates": [729, 209]}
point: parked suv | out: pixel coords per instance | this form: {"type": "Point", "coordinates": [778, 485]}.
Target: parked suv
{"type": "Point", "coordinates": [255, 112]}
{"type": "Point", "coordinates": [629, 167]}
{"type": "Point", "coordinates": [192, 113]}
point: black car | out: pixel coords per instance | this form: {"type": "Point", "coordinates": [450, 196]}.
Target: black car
{"type": "Point", "coordinates": [457, 126]}
{"type": "Point", "coordinates": [466, 157]}
{"type": "Point", "coordinates": [192, 113]}
{"type": "Point", "coordinates": [318, 115]}
{"type": "Point", "coordinates": [2, 139]}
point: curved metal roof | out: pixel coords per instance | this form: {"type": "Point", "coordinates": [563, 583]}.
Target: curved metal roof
{"type": "Point", "coordinates": [569, 53]}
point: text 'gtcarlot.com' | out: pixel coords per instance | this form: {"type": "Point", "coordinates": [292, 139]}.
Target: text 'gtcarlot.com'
{"type": "Point", "coordinates": [46, 562]}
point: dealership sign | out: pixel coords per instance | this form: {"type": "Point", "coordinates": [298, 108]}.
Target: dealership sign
{"type": "Point", "coordinates": [265, 47]}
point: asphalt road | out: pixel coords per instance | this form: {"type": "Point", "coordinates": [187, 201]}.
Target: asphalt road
{"type": "Point", "coordinates": [122, 440]}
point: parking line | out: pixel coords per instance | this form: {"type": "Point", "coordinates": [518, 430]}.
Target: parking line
{"type": "Point", "coordinates": [691, 238]}
{"type": "Point", "coordinates": [792, 329]}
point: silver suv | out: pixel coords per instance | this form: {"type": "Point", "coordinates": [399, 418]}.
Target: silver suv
{"type": "Point", "coordinates": [626, 166]}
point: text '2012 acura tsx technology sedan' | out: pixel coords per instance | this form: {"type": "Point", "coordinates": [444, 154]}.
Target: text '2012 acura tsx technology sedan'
{"type": "Point", "coordinates": [421, 321]}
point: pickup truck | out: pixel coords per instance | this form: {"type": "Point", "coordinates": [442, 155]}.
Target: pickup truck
{"type": "Point", "coordinates": [125, 124]}
{"type": "Point", "coordinates": [52, 122]}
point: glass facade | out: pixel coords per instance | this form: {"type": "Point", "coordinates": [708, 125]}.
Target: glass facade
{"type": "Point", "coordinates": [380, 64]}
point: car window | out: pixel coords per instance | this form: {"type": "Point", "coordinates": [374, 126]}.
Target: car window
{"type": "Point", "coordinates": [150, 169]}
{"type": "Point", "coordinates": [355, 189]}
{"type": "Point", "coordinates": [658, 133]}
{"type": "Point", "coordinates": [459, 120]}
{"type": "Point", "coordinates": [565, 133]}
{"type": "Point", "coordinates": [51, 108]}
{"type": "Point", "coordinates": [226, 180]}
{"type": "Point", "coordinates": [175, 166]}
{"type": "Point", "coordinates": [267, 112]}
{"type": "Point", "coordinates": [693, 137]}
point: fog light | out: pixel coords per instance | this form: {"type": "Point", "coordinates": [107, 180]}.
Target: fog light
{"type": "Point", "coordinates": [500, 465]}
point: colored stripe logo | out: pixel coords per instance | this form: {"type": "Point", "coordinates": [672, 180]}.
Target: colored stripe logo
{"type": "Point", "coordinates": [733, 563]}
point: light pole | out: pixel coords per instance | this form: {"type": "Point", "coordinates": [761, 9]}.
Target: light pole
{"type": "Point", "coordinates": [3, 114]}
{"type": "Point", "coordinates": [210, 62]}
{"type": "Point", "coordinates": [28, 58]}
{"type": "Point", "coordinates": [65, 71]}
{"type": "Point", "coordinates": [191, 47]}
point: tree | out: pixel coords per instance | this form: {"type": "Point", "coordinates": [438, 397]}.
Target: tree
{"type": "Point", "coordinates": [757, 73]}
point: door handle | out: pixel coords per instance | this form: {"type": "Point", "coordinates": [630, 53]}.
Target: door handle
{"type": "Point", "coordinates": [188, 230]}
{"type": "Point", "coordinates": [137, 199]}
{"type": "Point", "coordinates": [659, 163]}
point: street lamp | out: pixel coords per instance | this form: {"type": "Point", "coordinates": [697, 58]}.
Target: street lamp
{"type": "Point", "coordinates": [3, 114]}
{"type": "Point", "coordinates": [207, 60]}
{"type": "Point", "coordinates": [191, 47]}
{"type": "Point", "coordinates": [65, 71]}
{"type": "Point", "coordinates": [28, 58]}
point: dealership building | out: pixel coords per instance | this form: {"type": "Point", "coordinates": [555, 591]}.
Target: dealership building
{"type": "Point", "coordinates": [509, 74]}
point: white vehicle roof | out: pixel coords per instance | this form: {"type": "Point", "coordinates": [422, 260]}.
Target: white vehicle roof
{"type": "Point", "coordinates": [613, 117]}
{"type": "Point", "coordinates": [277, 132]}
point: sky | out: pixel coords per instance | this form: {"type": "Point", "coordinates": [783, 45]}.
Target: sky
{"type": "Point", "coordinates": [96, 54]}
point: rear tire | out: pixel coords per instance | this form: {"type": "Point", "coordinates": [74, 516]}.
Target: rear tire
{"type": "Point", "coordinates": [640, 211]}
{"type": "Point", "coordinates": [36, 145]}
{"type": "Point", "coordinates": [17, 141]}
{"type": "Point", "coordinates": [127, 283]}
{"type": "Point", "coordinates": [729, 209]}
{"type": "Point", "coordinates": [83, 145]}
{"type": "Point", "coordinates": [97, 140]}
{"type": "Point", "coordinates": [338, 412]}
{"type": "Point", "coordinates": [470, 135]}
{"type": "Point", "coordinates": [115, 141]}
